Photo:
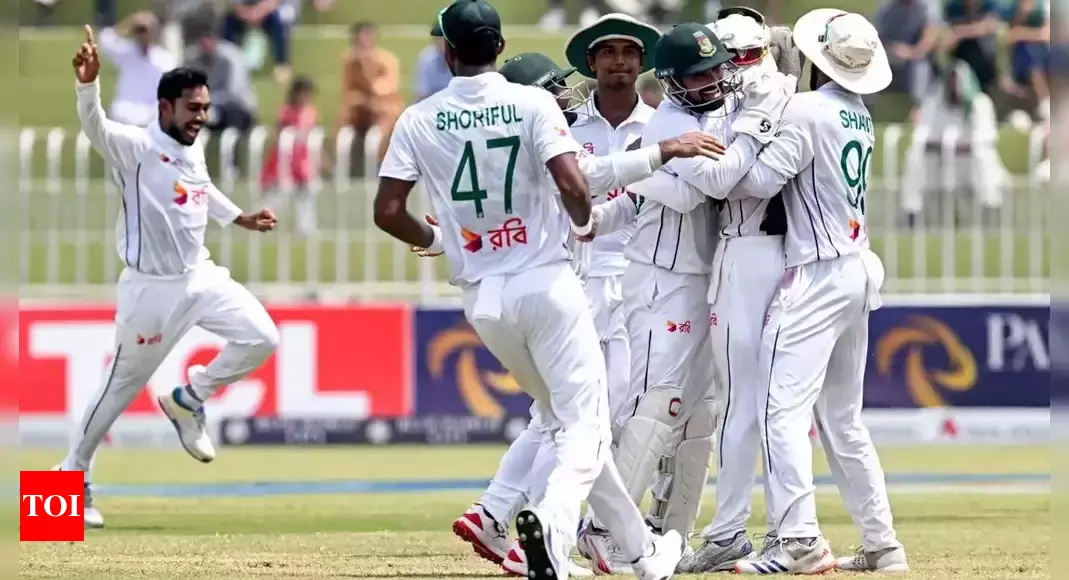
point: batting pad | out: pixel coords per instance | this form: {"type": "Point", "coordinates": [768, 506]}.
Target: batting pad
{"type": "Point", "coordinates": [646, 438]}
{"type": "Point", "coordinates": [681, 479]}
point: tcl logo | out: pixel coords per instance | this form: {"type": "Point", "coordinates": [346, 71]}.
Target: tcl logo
{"type": "Point", "coordinates": [50, 506]}
{"type": "Point", "coordinates": [64, 354]}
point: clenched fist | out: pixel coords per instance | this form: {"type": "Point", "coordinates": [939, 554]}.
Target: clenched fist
{"type": "Point", "coordinates": [86, 61]}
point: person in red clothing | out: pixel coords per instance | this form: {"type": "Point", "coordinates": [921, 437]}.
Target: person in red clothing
{"type": "Point", "coordinates": [297, 175]}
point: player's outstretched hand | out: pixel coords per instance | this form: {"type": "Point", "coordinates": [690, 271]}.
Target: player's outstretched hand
{"type": "Point", "coordinates": [260, 221]}
{"type": "Point", "coordinates": [86, 61]}
{"type": "Point", "coordinates": [692, 144]}
{"type": "Point", "coordinates": [424, 252]}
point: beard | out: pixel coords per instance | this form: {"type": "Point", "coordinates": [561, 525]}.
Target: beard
{"type": "Point", "coordinates": [175, 132]}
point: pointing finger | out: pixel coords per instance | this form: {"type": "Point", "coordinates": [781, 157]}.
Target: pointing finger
{"type": "Point", "coordinates": [89, 35]}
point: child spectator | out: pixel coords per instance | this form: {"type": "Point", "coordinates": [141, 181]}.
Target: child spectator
{"type": "Point", "coordinates": [299, 113]}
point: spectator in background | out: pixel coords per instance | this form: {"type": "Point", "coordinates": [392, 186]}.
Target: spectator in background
{"type": "Point", "coordinates": [432, 74]}
{"type": "Point", "coordinates": [555, 17]}
{"type": "Point", "coordinates": [139, 63]}
{"type": "Point", "coordinates": [908, 28]}
{"type": "Point", "coordinates": [1029, 42]}
{"type": "Point", "coordinates": [264, 14]}
{"type": "Point", "coordinates": [957, 106]}
{"type": "Point", "coordinates": [298, 113]}
{"type": "Point", "coordinates": [233, 94]}
{"type": "Point", "coordinates": [650, 91]}
{"type": "Point", "coordinates": [371, 81]}
{"type": "Point", "coordinates": [972, 25]}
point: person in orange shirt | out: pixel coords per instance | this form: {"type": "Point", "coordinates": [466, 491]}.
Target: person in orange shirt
{"type": "Point", "coordinates": [299, 113]}
{"type": "Point", "coordinates": [371, 81]}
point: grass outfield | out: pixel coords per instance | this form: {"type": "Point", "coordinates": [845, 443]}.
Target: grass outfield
{"type": "Point", "coordinates": [951, 535]}
{"type": "Point", "coordinates": [68, 241]}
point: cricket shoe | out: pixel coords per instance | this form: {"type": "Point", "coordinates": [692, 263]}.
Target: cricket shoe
{"type": "Point", "coordinates": [91, 516]}
{"type": "Point", "coordinates": [186, 413]}
{"type": "Point", "coordinates": [515, 563]}
{"type": "Point", "coordinates": [717, 556]}
{"type": "Point", "coordinates": [661, 563]}
{"type": "Point", "coordinates": [889, 560]}
{"type": "Point", "coordinates": [599, 547]}
{"type": "Point", "coordinates": [808, 556]}
{"type": "Point", "coordinates": [546, 559]}
{"type": "Point", "coordinates": [485, 534]}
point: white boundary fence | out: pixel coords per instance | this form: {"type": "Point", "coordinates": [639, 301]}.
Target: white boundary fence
{"type": "Point", "coordinates": [69, 213]}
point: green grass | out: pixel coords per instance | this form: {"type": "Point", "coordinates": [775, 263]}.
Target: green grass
{"type": "Point", "coordinates": [959, 536]}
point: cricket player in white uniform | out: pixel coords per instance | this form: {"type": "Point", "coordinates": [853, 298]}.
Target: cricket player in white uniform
{"type": "Point", "coordinates": [484, 524]}
{"type": "Point", "coordinates": [666, 283]}
{"type": "Point", "coordinates": [613, 51]}
{"type": "Point", "coordinates": [169, 283]}
{"type": "Point", "coordinates": [746, 271]}
{"type": "Point", "coordinates": [816, 339]}
{"type": "Point", "coordinates": [960, 108]}
{"type": "Point", "coordinates": [505, 237]}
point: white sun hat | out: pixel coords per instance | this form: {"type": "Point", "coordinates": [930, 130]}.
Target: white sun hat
{"type": "Point", "coordinates": [846, 47]}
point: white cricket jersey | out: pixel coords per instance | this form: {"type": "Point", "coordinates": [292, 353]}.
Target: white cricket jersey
{"type": "Point", "coordinates": [480, 147]}
{"type": "Point", "coordinates": [681, 237]}
{"type": "Point", "coordinates": [605, 255]}
{"type": "Point", "coordinates": [821, 158]}
{"type": "Point", "coordinates": [167, 194]}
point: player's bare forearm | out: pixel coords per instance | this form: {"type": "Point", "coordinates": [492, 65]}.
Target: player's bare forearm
{"type": "Point", "coordinates": [573, 187]}
{"type": "Point", "coordinates": [392, 217]}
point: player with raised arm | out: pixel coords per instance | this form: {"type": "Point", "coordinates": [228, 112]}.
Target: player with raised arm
{"type": "Point", "coordinates": [482, 147]}
{"type": "Point", "coordinates": [815, 342]}
{"type": "Point", "coordinates": [169, 283]}
{"type": "Point", "coordinates": [673, 416]}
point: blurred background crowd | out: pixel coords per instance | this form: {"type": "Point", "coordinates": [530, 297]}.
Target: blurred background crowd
{"type": "Point", "coordinates": [962, 131]}
{"type": "Point", "coordinates": [1004, 43]}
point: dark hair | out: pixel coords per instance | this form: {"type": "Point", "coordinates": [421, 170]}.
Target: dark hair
{"type": "Point", "coordinates": [480, 50]}
{"type": "Point", "coordinates": [301, 84]}
{"type": "Point", "coordinates": [175, 82]}
{"type": "Point", "coordinates": [361, 27]}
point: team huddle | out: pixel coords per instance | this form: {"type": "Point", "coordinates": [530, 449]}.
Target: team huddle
{"type": "Point", "coordinates": [670, 285]}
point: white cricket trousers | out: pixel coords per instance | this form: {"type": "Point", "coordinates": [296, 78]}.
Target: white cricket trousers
{"type": "Point", "coordinates": [813, 351]}
{"type": "Point", "coordinates": [152, 314]}
{"type": "Point", "coordinates": [538, 325]}
{"type": "Point", "coordinates": [606, 305]}
{"type": "Point", "coordinates": [746, 274]}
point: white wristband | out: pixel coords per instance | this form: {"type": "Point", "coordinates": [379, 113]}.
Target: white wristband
{"type": "Point", "coordinates": [656, 162]}
{"type": "Point", "coordinates": [584, 230]}
{"type": "Point", "coordinates": [436, 241]}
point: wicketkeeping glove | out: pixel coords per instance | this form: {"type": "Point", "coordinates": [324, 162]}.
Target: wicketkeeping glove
{"type": "Point", "coordinates": [765, 95]}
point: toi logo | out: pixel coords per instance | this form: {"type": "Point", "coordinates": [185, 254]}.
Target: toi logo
{"type": "Point", "coordinates": [51, 505]}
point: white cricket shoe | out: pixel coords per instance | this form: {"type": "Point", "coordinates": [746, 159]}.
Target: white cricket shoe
{"type": "Point", "coordinates": [661, 564]}
{"type": "Point", "coordinates": [791, 556]}
{"type": "Point", "coordinates": [889, 560]}
{"type": "Point", "coordinates": [190, 424]}
{"type": "Point", "coordinates": [486, 535]}
{"type": "Point", "coordinates": [603, 552]}
{"type": "Point", "coordinates": [515, 564]}
{"type": "Point", "coordinates": [92, 517]}
{"type": "Point", "coordinates": [546, 558]}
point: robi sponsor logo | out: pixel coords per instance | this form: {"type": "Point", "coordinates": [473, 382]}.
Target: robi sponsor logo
{"type": "Point", "coordinates": [50, 506]}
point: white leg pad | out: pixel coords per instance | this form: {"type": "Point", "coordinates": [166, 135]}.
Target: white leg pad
{"type": "Point", "coordinates": [646, 437]}
{"type": "Point", "coordinates": [681, 479]}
